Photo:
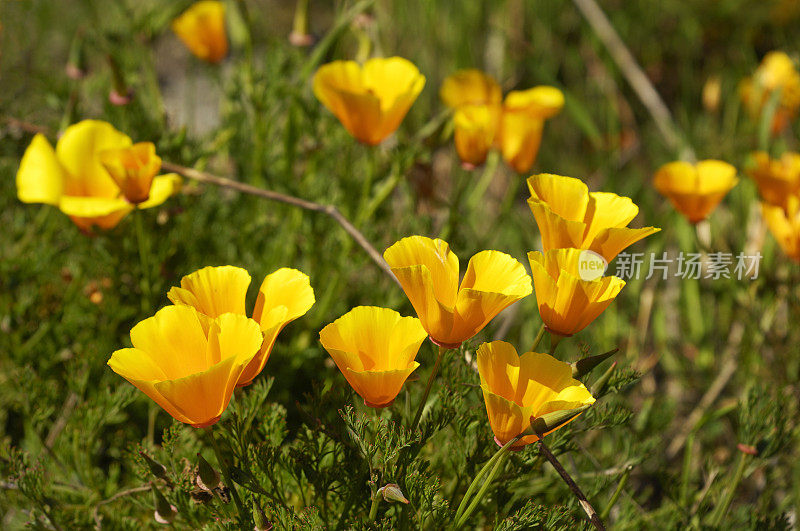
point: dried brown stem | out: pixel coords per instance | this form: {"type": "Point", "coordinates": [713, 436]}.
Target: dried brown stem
{"type": "Point", "coordinates": [594, 518]}
{"type": "Point", "coordinates": [121, 494]}
{"type": "Point", "coordinates": [635, 76]}
{"type": "Point", "coordinates": [329, 210]}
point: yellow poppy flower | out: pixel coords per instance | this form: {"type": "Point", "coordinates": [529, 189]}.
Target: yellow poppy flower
{"type": "Point", "coordinates": [776, 72]}
{"type": "Point", "coordinates": [73, 178]}
{"type": "Point", "coordinates": [188, 363]}
{"type": "Point", "coordinates": [695, 190]}
{"type": "Point", "coordinates": [518, 389]}
{"type": "Point", "coordinates": [375, 350]}
{"type": "Point", "coordinates": [284, 296]}
{"type": "Point", "coordinates": [370, 100]}
{"type": "Point", "coordinates": [428, 273]}
{"type": "Point", "coordinates": [524, 113]}
{"type": "Point", "coordinates": [569, 216]}
{"type": "Point", "coordinates": [202, 30]}
{"type": "Point", "coordinates": [133, 169]}
{"type": "Point", "coordinates": [777, 179]}
{"type": "Point", "coordinates": [785, 225]}
{"type": "Point", "coordinates": [475, 129]}
{"type": "Point", "coordinates": [470, 87]}
{"type": "Point", "coordinates": [568, 303]}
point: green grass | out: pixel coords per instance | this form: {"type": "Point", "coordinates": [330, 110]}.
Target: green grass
{"type": "Point", "coordinates": [57, 464]}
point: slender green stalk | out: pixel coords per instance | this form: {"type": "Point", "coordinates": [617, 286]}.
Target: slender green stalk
{"type": "Point", "coordinates": [435, 370]}
{"type": "Point", "coordinates": [538, 339]}
{"type": "Point", "coordinates": [555, 339]}
{"type": "Point", "coordinates": [373, 510]}
{"type": "Point", "coordinates": [489, 171]}
{"type": "Point", "coordinates": [722, 508]}
{"type": "Point", "coordinates": [687, 469]}
{"type": "Point", "coordinates": [226, 473]}
{"type": "Point", "coordinates": [614, 497]}
{"type": "Point", "coordinates": [144, 259]}
{"type": "Point", "coordinates": [479, 476]}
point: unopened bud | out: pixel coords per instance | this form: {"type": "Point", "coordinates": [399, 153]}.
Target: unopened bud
{"type": "Point", "coordinates": [207, 477]}
{"type": "Point", "coordinates": [600, 385]}
{"type": "Point", "coordinates": [260, 519]}
{"type": "Point", "coordinates": [548, 422]}
{"type": "Point", "coordinates": [584, 366]}
{"type": "Point", "coordinates": [747, 449]}
{"type": "Point", "coordinates": [156, 468]}
{"type": "Point", "coordinates": [392, 493]}
{"type": "Point", "coordinates": [165, 512]}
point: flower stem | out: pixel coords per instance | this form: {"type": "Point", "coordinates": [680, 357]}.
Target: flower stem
{"type": "Point", "coordinates": [555, 339]}
{"type": "Point", "coordinates": [226, 473]}
{"type": "Point", "coordinates": [373, 510]}
{"type": "Point", "coordinates": [587, 507]}
{"type": "Point", "coordinates": [144, 259]}
{"type": "Point", "coordinates": [538, 339]}
{"type": "Point", "coordinates": [722, 508]}
{"type": "Point", "coordinates": [435, 370]}
{"type": "Point", "coordinates": [492, 466]}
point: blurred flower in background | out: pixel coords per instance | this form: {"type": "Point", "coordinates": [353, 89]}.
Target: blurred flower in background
{"type": "Point", "coordinates": [777, 77]}
{"type": "Point", "coordinates": [524, 114]}
{"type": "Point", "coordinates": [695, 190]}
{"type": "Point", "coordinates": [370, 100]}
{"type": "Point", "coordinates": [202, 30]}
{"type": "Point", "coordinates": [777, 179]}
{"type": "Point", "coordinates": [484, 120]}
{"type": "Point", "coordinates": [375, 350]}
{"type": "Point", "coordinates": [784, 224]}
{"type": "Point", "coordinates": [73, 178]}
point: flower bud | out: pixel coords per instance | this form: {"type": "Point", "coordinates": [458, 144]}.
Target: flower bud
{"type": "Point", "coordinates": [207, 477]}
{"type": "Point", "coordinates": [165, 512]}
{"type": "Point", "coordinates": [260, 519]}
{"type": "Point", "coordinates": [156, 468]}
{"type": "Point", "coordinates": [392, 493]}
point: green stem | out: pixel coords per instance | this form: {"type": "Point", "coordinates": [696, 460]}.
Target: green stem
{"type": "Point", "coordinates": [373, 510]}
{"type": "Point", "coordinates": [614, 497]}
{"type": "Point", "coordinates": [726, 501]}
{"type": "Point", "coordinates": [226, 473]}
{"type": "Point", "coordinates": [489, 171]}
{"type": "Point", "coordinates": [555, 339]}
{"type": "Point", "coordinates": [491, 467]}
{"type": "Point", "coordinates": [436, 365]}
{"type": "Point", "coordinates": [538, 339]}
{"type": "Point", "coordinates": [144, 259]}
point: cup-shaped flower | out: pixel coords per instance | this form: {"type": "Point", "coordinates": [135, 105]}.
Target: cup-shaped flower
{"type": "Point", "coordinates": [776, 72]}
{"type": "Point", "coordinates": [475, 129]}
{"type": "Point", "coordinates": [133, 169]}
{"type": "Point", "coordinates": [188, 363]}
{"type": "Point", "coordinates": [370, 100]}
{"type": "Point", "coordinates": [524, 114]}
{"type": "Point", "coordinates": [284, 296]}
{"type": "Point", "coordinates": [375, 350]}
{"type": "Point", "coordinates": [569, 216]}
{"type": "Point", "coordinates": [567, 302]}
{"type": "Point", "coordinates": [470, 87]}
{"type": "Point", "coordinates": [784, 224]}
{"type": "Point", "coordinates": [73, 178]}
{"type": "Point", "coordinates": [202, 29]}
{"type": "Point", "coordinates": [777, 179]}
{"type": "Point", "coordinates": [695, 190]}
{"type": "Point", "coordinates": [519, 389]}
{"type": "Point", "coordinates": [428, 272]}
